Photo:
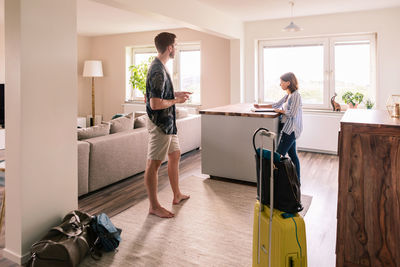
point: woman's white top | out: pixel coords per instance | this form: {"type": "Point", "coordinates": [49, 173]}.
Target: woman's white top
{"type": "Point", "coordinates": [293, 117]}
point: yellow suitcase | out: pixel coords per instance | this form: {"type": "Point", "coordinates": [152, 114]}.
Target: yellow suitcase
{"type": "Point", "coordinates": [279, 238]}
{"type": "Point", "coordinates": [288, 242]}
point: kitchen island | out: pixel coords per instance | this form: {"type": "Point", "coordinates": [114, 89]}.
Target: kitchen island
{"type": "Point", "coordinates": [226, 140]}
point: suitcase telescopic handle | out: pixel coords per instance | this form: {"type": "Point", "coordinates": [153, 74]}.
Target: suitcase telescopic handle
{"type": "Point", "coordinates": [265, 132]}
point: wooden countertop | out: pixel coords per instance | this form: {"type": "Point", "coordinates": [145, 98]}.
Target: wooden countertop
{"type": "Point", "coordinates": [368, 117]}
{"type": "Point", "coordinates": [242, 110]}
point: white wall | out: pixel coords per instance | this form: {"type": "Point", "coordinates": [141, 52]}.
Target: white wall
{"type": "Point", "coordinates": [84, 83]}
{"type": "Point", "coordinates": [110, 89]}
{"type": "Point", "coordinates": [384, 22]}
{"type": "Point", "coordinates": [41, 183]}
{"type": "Point", "coordinates": [2, 43]}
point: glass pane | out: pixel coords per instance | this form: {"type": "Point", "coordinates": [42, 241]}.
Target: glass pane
{"type": "Point", "coordinates": [139, 59]}
{"type": "Point", "coordinates": [144, 57]}
{"type": "Point", "coordinates": [353, 69]}
{"type": "Point", "coordinates": [190, 74]}
{"type": "Point", "coordinates": [170, 68]}
{"type": "Point", "coordinates": [306, 62]}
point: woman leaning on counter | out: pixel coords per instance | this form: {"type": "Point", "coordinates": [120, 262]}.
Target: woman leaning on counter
{"type": "Point", "coordinates": [291, 124]}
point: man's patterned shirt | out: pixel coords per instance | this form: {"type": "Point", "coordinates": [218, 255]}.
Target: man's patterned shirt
{"type": "Point", "coordinates": [159, 85]}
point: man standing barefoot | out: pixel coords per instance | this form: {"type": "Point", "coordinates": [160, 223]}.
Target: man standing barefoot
{"type": "Point", "coordinates": [160, 107]}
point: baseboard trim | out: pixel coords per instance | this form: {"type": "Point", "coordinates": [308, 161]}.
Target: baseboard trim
{"type": "Point", "coordinates": [317, 151]}
{"type": "Point", "coordinates": [16, 258]}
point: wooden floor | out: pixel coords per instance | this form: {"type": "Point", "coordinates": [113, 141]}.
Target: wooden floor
{"type": "Point", "coordinates": [123, 195]}
{"type": "Point", "coordinates": [319, 176]}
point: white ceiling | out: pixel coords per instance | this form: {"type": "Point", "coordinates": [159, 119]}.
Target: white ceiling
{"type": "Point", "coordinates": [98, 19]}
{"type": "Point", "coordinates": [250, 10]}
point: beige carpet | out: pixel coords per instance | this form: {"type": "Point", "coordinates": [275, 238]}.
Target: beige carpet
{"type": "Point", "coordinates": [213, 228]}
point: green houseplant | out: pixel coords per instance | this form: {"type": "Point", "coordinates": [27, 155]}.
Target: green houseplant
{"type": "Point", "coordinates": [352, 99]}
{"type": "Point", "coordinates": [138, 76]}
{"type": "Point", "coordinates": [369, 104]}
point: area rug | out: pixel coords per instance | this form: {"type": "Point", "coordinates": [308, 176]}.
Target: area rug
{"type": "Point", "coordinates": [213, 228]}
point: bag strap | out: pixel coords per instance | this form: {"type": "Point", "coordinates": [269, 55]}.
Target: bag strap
{"type": "Point", "coordinates": [254, 137]}
{"type": "Point", "coordinates": [68, 234]}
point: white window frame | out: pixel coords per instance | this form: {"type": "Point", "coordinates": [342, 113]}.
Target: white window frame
{"type": "Point", "coordinates": [354, 38]}
{"type": "Point", "coordinates": [328, 43]}
{"type": "Point", "coordinates": [130, 60]}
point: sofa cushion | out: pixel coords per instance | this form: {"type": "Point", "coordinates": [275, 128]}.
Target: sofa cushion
{"type": "Point", "coordinates": [116, 157]}
{"type": "Point", "coordinates": [94, 131]}
{"type": "Point", "coordinates": [122, 124]}
{"type": "Point", "coordinates": [140, 121]}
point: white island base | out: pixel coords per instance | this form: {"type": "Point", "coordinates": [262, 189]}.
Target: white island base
{"type": "Point", "coordinates": [227, 140]}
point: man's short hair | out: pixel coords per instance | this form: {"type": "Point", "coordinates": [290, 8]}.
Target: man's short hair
{"type": "Point", "coordinates": [163, 40]}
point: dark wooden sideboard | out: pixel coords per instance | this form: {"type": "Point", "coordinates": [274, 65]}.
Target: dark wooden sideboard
{"type": "Point", "coordinates": [368, 215]}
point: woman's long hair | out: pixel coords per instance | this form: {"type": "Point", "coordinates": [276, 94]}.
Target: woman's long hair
{"type": "Point", "coordinates": [290, 77]}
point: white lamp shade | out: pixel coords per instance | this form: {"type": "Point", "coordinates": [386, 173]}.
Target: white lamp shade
{"type": "Point", "coordinates": [292, 28]}
{"type": "Point", "coordinates": [92, 68]}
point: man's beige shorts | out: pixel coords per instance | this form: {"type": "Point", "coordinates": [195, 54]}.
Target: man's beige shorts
{"type": "Point", "coordinates": [160, 143]}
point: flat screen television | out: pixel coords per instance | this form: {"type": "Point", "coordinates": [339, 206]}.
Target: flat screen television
{"type": "Point", "coordinates": [2, 124]}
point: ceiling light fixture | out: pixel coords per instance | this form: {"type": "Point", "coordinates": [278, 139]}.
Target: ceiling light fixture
{"type": "Point", "coordinates": [292, 27]}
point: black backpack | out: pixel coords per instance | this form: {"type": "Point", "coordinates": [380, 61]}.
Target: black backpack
{"type": "Point", "coordinates": [287, 196]}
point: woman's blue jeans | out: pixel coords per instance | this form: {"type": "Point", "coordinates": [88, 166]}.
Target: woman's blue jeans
{"type": "Point", "coordinates": [287, 144]}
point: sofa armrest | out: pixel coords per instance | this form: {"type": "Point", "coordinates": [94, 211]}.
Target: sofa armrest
{"type": "Point", "coordinates": [189, 132]}
{"type": "Point", "coordinates": [83, 167]}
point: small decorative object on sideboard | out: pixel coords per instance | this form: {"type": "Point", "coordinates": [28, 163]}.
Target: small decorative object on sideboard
{"type": "Point", "coordinates": [393, 106]}
{"type": "Point", "coordinates": [352, 99]}
{"type": "Point", "coordinates": [369, 103]}
{"type": "Point", "coordinates": [335, 105]}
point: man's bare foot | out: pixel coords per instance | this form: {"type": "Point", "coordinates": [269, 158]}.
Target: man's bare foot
{"type": "Point", "coordinates": [161, 212]}
{"type": "Point", "coordinates": [180, 198]}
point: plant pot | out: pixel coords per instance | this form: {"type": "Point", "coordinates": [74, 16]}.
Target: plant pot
{"type": "Point", "coordinates": [352, 106]}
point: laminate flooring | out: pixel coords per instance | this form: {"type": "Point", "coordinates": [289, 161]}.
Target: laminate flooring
{"type": "Point", "coordinates": [319, 178]}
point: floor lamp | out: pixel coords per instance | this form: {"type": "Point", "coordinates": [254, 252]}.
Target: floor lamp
{"type": "Point", "coordinates": [93, 68]}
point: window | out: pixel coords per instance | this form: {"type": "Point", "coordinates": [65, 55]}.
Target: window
{"type": "Point", "coordinates": [322, 66]}
{"type": "Point", "coordinates": [184, 69]}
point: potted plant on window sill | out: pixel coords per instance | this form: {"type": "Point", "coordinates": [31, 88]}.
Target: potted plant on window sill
{"type": "Point", "coordinates": [352, 99]}
{"type": "Point", "coordinates": [369, 104]}
{"type": "Point", "coordinates": [137, 80]}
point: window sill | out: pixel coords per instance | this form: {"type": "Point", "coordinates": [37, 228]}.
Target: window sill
{"type": "Point", "coordinates": [323, 111]}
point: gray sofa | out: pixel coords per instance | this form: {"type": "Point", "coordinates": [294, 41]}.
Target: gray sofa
{"type": "Point", "coordinates": [108, 159]}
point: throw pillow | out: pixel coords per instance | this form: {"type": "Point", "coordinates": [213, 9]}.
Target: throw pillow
{"type": "Point", "coordinates": [94, 131]}
{"type": "Point", "coordinates": [117, 116]}
{"type": "Point", "coordinates": [181, 113]}
{"type": "Point", "coordinates": [122, 123]}
{"type": "Point", "coordinates": [140, 121]}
